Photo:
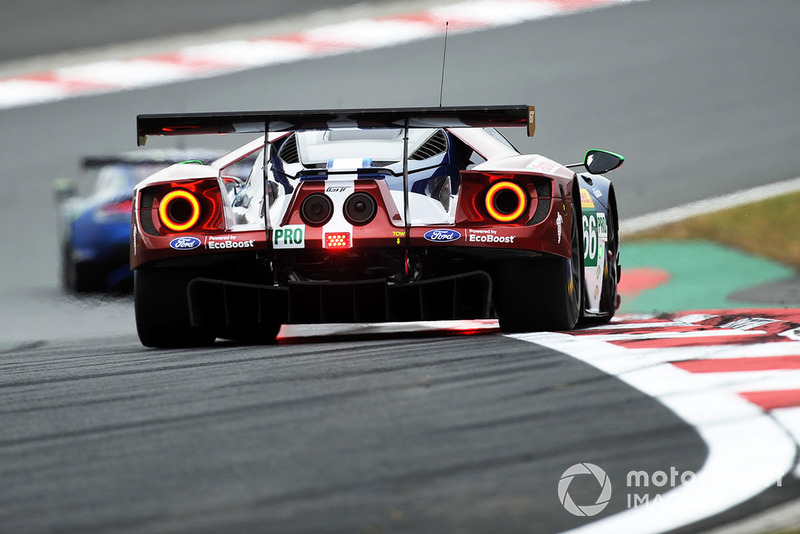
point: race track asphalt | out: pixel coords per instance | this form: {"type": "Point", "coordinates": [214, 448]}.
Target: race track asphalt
{"type": "Point", "coordinates": [432, 434]}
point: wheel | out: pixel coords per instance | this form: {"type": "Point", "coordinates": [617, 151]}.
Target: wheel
{"type": "Point", "coordinates": [542, 294]}
{"type": "Point", "coordinates": [78, 277]}
{"type": "Point", "coordinates": [162, 310]}
{"type": "Point", "coordinates": [68, 274]}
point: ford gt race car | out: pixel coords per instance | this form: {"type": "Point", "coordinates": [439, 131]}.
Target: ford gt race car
{"type": "Point", "coordinates": [370, 216]}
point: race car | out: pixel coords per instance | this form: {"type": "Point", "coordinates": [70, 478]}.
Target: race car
{"type": "Point", "coordinates": [366, 216]}
{"type": "Point", "coordinates": [95, 229]}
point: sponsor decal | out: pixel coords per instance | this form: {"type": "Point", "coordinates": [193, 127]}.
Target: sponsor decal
{"type": "Point", "coordinates": [586, 199]}
{"type": "Point", "coordinates": [289, 236]}
{"type": "Point", "coordinates": [337, 188]}
{"type": "Point", "coordinates": [543, 165]}
{"type": "Point", "coordinates": [185, 243]}
{"type": "Point", "coordinates": [488, 235]}
{"type": "Point", "coordinates": [602, 226]}
{"type": "Point", "coordinates": [597, 193]}
{"type": "Point", "coordinates": [559, 226]}
{"type": "Point", "coordinates": [442, 236]}
{"type": "Point", "coordinates": [600, 264]}
{"type": "Point", "coordinates": [228, 242]}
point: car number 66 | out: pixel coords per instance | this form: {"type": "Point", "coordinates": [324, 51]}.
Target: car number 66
{"type": "Point", "coordinates": [589, 237]}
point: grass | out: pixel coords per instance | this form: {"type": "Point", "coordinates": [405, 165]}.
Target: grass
{"type": "Point", "coordinates": [769, 228]}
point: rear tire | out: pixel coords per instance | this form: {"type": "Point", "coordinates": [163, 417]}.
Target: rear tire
{"type": "Point", "coordinates": [542, 294]}
{"type": "Point", "coordinates": [162, 309]}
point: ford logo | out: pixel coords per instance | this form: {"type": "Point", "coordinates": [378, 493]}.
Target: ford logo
{"type": "Point", "coordinates": [442, 236]}
{"type": "Point", "coordinates": [184, 243]}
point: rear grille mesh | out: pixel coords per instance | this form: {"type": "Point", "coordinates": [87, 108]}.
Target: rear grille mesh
{"type": "Point", "coordinates": [288, 152]}
{"type": "Point", "coordinates": [435, 145]}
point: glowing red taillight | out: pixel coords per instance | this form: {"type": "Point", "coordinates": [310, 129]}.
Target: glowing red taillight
{"type": "Point", "coordinates": [185, 206]}
{"type": "Point", "coordinates": [179, 210]}
{"type": "Point", "coordinates": [506, 201]}
{"type": "Point", "coordinates": [337, 240]}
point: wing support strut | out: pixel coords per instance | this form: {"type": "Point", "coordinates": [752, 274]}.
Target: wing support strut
{"type": "Point", "coordinates": [406, 207]}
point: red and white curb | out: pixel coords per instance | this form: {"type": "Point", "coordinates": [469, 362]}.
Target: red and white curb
{"type": "Point", "coordinates": [217, 58]}
{"type": "Point", "coordinates": [733, 375]}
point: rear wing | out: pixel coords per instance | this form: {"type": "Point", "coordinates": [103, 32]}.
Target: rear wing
{"type": "Point", "coordinates": [285, 121]}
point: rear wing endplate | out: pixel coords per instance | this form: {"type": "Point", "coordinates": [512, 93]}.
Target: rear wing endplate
{"type": "Point", "coordinates": [285, 121]}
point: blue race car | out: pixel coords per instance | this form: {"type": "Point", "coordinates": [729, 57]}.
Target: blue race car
{"type": "Point", "coordinates": [95, 229]}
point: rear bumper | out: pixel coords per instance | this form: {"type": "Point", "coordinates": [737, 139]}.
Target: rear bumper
{"type": "Point", "coordinates": [550, 237]}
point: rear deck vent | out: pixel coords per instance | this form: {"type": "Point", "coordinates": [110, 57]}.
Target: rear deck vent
{"type": "Point", "coordinates": [435, 145]}
{"type": "Point", "coordinates": [288, 152]}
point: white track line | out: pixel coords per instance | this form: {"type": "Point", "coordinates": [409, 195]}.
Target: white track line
{"type": "Point", "coordinates": [722, 352]}
{"type": "Point", "coordinates": [745, 381]}
{"type": "Point", "coordinates": [656, 334]}
{"type": "Point", "coordinates": [790, 419]}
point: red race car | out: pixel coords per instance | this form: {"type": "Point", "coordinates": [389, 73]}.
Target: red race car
{"type": "Point", "coordinates": [367, 216]}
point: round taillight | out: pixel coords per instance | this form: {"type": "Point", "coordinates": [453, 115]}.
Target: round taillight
{"type": "Point", "coordinates": [360, 208]}
{"type": "Point", "coordinates": [506, 201]}
{"type": "Point", "coordinates": [179, 210]}
{"type": "Point", "coordinates": [316, 209]}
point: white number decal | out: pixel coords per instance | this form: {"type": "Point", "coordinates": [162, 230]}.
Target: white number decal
{"type": "Point", "coordinates": [585, 236]}
{"type": "Point", "coordinates": [589, 236]}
